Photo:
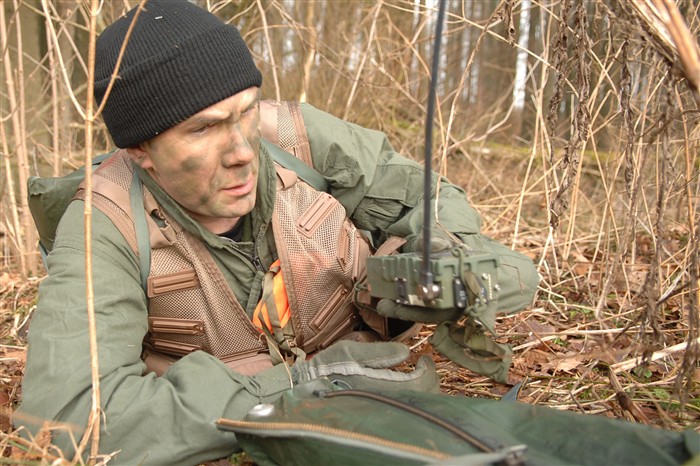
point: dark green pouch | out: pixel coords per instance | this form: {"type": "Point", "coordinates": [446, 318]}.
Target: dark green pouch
{"type": "Point", "coordinates": [317, 424]}
{"type": "Point", "coordinates": [49, 198]}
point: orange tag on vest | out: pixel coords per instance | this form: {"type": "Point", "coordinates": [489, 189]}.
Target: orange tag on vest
{"type": "Point", "coordinates": [279, 292]}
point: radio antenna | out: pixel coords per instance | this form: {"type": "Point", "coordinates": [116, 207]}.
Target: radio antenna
{"type": "Point", "coordinates": [426, 275]}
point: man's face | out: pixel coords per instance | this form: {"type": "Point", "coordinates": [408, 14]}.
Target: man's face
{"type": "Point", "coordinates": [209, 162]}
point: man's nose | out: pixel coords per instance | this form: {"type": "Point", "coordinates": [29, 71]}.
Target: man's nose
{"type": "Point", "coordinates": [238, 150]}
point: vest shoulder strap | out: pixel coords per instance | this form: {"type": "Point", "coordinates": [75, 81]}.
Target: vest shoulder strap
{"type": "Point", "coordinates": [282, 126]}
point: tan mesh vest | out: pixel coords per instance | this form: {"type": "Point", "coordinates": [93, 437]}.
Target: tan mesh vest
{"type": "Point", "coordinates": [191, 307]}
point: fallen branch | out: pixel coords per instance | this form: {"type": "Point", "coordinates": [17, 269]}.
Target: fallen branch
{"type": "Point", "coordinates": [625, 400]}
{"type": "Point", "coordinates": [634, 362]}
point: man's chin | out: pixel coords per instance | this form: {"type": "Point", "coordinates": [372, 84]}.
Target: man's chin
{"type": "Point", "coordinates": [243, 207]}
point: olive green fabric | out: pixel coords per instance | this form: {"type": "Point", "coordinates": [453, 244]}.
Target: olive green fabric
{"type": "Point", "coordinates": [368, 366]}
{"type": "Point", "coordinates": [466, 344]}
{"type": "Point", "coordinates": [318, 424]}
{"type": "Point", "coordinates": [49, 197]}
{"type": "Point", "coordinates": [170, 419]}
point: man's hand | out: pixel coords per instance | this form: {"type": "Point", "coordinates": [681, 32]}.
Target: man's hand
{"type": "Point", "coordinates": [367, 366]}
{"type": "Point", "coordinates": [440, 241]}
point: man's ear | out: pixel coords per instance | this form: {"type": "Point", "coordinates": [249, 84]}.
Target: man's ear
{"type": "Point", "coordinates": [140, 156]}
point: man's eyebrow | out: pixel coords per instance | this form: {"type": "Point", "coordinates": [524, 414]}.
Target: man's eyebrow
{"type": "Point", "coordinates": [197, 120]}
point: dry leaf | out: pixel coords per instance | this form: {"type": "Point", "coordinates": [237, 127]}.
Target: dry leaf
{"type": "Point", "coordinates": [535, 358]}
{"type": "Point", "coordinates": [534, 329]}
{"type": "Point", "coordinates": [581, 264]}
{"type": "Point", "coordinates": [564, 364]}
{"type": "Point", "coordinates": [41, 441]}
{"type": "Point", "coordinates": [6, 283]}
{"type": "Point", "coordinates": [43, 438]}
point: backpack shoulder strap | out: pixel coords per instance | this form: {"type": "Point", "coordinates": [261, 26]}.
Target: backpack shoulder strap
{"type": "Point", "coordinates": [120, 197]}
{"type": "Point", "coordinates": [288, 161]}
{"type": "Point", "coordinates": [143, 239]}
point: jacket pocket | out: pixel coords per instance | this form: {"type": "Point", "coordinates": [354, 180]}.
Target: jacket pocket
{"type": "Point", "coordinates": [176, 326]}
{"type": "Point", "coordinates": [172, 347]}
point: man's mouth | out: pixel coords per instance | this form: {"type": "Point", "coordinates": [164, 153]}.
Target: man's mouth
{"type": "Point", "coordinates": [240, 189]}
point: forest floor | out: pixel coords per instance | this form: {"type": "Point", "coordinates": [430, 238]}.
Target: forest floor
{"type": "Point", "coordinates": [565, 356]}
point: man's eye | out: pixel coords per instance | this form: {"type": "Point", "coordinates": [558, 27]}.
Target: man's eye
{"type": "Point", "coordinates": [250, 110]}
{"type": "Point", "coordinates": [202, 129]}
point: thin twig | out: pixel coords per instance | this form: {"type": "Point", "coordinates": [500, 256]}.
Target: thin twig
{"type": "Point", "coordinates": [266, 31]}
{"type": "Point", "coordinates": [365, 54]}
{"type": "Point", "coordinates": [93, 426]}
{"type": "Point", "coordinates": [122, 51]}
{"type": "Point", "coordinates": [64, 71]}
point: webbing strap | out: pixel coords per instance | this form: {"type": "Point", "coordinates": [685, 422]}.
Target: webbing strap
{"type": "Point", "coordinates": [302, 149]}
{"type": "Point", "coordinates": [273, 308]}
{"type": "Point", "coordinates": [303, 171]}
{"type": "Point", "coordinates": [468, 346]}
{"type": "Point", "coordinates": [272, 317]}
{"type": "Point", "coordinates": [143, 241]}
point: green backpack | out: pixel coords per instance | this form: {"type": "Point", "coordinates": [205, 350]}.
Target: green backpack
{"type": "Point", "coordinates": [318, 424]}
{"type": "Point", "coordinates": [49, 198]}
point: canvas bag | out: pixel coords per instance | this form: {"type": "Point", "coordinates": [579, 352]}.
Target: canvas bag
{"type": "Point", "coordinates": [319, 424]}
{"type": "Point", "coordinates": [49, 198]}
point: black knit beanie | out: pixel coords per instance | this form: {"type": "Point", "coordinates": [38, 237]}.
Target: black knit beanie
{"type": "Point", "coordinates": [180, 59]}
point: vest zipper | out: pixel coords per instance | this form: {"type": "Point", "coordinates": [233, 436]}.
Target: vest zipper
{"type": "Point", "coordinates": [257, 263]}
{"type": "Point", "coordinates": [254, 260]}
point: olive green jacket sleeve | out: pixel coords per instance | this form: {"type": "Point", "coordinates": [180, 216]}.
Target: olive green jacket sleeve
{"type": "Point", "coordinates": [148, 419]}
{"type": "Point", "coordinates": [381, 190]}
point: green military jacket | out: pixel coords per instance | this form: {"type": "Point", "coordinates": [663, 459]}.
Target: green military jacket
{"type": "Point", "coordinates": [170, 419]}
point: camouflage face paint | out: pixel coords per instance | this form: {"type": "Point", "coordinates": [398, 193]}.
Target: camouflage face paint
{"type": "Point", "coordinates": [191, 164]}
{"type": "Point", "coordinates": [209, 162]}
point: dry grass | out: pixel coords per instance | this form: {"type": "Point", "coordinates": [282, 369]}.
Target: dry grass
{"type": "Point", "coordinates": [565, 355]}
